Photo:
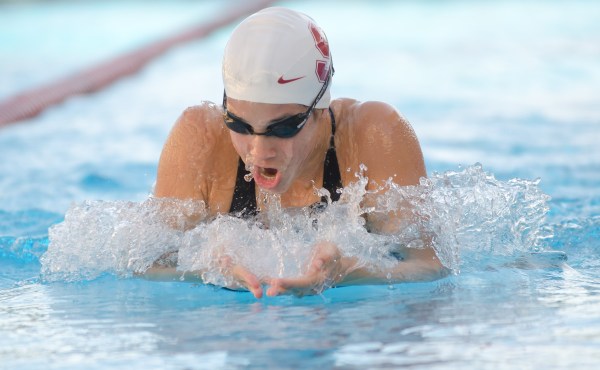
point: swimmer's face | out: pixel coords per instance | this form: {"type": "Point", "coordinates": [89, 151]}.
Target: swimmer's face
{"type": "Point", "coordinates": [277, 162]}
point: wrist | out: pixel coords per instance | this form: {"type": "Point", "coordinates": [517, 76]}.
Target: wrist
{"type": "Point", "coordinates": [350, 271]}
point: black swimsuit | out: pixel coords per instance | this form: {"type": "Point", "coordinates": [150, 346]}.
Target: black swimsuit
{"type": "Point", "coordinates": [244, 195]}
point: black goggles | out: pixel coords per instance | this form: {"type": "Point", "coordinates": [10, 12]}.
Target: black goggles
{"type": "Point", "coordinates": [283, 128]}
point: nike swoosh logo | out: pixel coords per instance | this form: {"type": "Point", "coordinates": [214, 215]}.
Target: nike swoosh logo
{"type": "Point", "coordinates": [284, 81]}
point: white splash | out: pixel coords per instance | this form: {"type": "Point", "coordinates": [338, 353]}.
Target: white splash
{"type": "Point", "coordinates": [469, 216]}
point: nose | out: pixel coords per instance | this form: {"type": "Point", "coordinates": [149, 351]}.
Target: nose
{"type": "Point", "coordinates": [262, 147]}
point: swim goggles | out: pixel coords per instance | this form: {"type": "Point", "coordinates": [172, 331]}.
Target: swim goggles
{"type": "Point", "coordinates": [284, 128]}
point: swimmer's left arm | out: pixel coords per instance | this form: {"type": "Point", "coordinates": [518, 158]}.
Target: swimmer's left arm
{"type": "Point", "coordinates": [418, 265]}
{"type": "Point", "coordinates": [389, 148]}
{"type": "Point", "coordinates": [389, 135]}
{"type": "Point", "coordinates": [329, 268]}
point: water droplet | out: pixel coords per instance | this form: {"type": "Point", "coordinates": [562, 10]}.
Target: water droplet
{"type": "Point", "coordinates": [250, 168]}
{"type": "Point", "coordinates": [388, 276]}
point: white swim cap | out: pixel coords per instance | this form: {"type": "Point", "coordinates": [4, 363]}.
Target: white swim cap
{"type": "Point", "coordinates": [277, 56]}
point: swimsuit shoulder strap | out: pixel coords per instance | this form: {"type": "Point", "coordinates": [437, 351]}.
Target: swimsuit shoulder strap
{"type": "Point", "coordinates": [332, 179]}
{"type": "Point", "coordinates": [243, 202]}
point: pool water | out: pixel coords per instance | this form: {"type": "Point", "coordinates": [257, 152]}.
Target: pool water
{"type": "Point", "coordinates": [512, 85]}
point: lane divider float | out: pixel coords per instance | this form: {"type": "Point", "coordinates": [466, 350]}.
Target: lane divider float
{"type": "Point", "coordinates": [30, 103]}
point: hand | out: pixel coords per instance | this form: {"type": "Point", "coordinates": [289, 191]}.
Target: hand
{"type": "Point", "coordinates": [326, 268]}
{"type": "Point", "coordinates": [242, 277]}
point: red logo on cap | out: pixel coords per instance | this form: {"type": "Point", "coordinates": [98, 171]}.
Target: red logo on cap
{"type": "Point", "coordinates": [282, 80]}
{"type": "Point", "coordinates": [322, 70]}
{"type": "Point", "coordinates": [320, 39]}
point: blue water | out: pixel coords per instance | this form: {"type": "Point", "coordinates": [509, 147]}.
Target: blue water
{"type": "Point", "coordinates": [38, 42]}
{"type": "Point", "coordinates": [513, 85]}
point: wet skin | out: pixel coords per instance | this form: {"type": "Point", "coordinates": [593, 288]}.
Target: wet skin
{"type": "Point", "coordinates": [200, 157]}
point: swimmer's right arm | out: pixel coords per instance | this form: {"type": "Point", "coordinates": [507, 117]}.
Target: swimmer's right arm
{"type": "Point", "coordinates": [186, 163]}
{"type": "Point", "coordinates": [183, 158]}
{"type": "Point", "coordinates": [241, 278]}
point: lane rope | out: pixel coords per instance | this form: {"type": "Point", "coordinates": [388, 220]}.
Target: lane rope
{"type": "Point", "coordinates": [30, 103]}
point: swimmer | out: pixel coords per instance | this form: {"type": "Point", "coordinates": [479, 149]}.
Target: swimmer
{"type": "Point", "coordinates": [278, 121]}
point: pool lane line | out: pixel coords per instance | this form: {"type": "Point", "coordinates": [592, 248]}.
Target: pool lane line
{"type": "Point", "coordinates": [30, 103]}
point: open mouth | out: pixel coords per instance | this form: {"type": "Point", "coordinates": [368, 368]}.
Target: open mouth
{"type": "Point", "coordinates": [268, 173]}
{"type": "Point", "coordinates": [266, 177]}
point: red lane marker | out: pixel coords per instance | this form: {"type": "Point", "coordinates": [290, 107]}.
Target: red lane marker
{"type": "Point", "coordinates": [30, 103]}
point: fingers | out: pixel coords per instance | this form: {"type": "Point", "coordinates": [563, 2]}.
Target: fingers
{"type": "Point", "coordinates": [242, 276]}
{"type": "Point", "coordinates": [298, 286]}
{"type": "Point", "coordinates": [325, 269]}
{"type": "Point", "coordinates": [316, 265]}
{"type": "Point", "coordinates": [247, 279]}
{"type": "Point", "coordinates": [320, 275]}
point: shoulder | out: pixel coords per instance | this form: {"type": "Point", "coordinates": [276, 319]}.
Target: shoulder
{"type": "Point", "coordinates": [371, 117]}
{"type": "Point", "coordinates": [199, 121]}
{"type": "Point", "coordinates": [196, 132]}
{"type": "Point", "coordinates": [197, 137]}
{"type": "Point", "coordinates": [382, 139]}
